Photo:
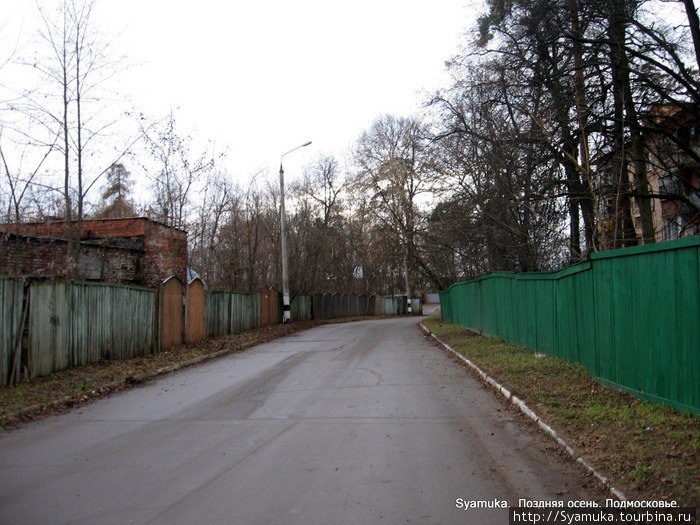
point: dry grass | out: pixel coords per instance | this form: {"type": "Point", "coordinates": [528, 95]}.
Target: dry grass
{"type": "Point", "coordinates": [48, 394]}
{"type": "Point", "coordinates": [67, 388]}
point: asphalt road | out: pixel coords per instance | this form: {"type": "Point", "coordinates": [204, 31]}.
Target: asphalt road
{"type": "Point", "coordinates": [363, 423]}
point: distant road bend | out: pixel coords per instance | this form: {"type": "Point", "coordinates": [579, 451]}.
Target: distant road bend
{"type": "Point", "coordinates": [365, 422]}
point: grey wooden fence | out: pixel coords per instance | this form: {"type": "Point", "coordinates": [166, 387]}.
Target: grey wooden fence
{"type": "Point", "coordinates": [11, 309]}
{"type": "Point", "coordinates": [417, 306]}
{"type": "Point", "coordinates": [391, 305]}
{"type": "Point", "coordinates": [231, 313]}
{"type": "Point", "coordinates": [301, 308]}
{"type": "Point", "coordinates": [333, 306]}
{"type": "Point", "coordinates": [398, 305]}
{"type": "Point", "coordinates": [73, 324]}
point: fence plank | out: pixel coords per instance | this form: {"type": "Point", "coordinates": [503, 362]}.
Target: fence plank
{"type": "Point", "coordinates": [195, 327]}
{"type": "Point", "coordinates": [11, 306]}
{"type": "Point", "coordinates": [49, 328]}
{"type": "Point", "coordinates": [171, 313]}
{"type": "Point", "coordinates": [301, 308]}
{"type": "Point", "coordinates": [80, 323]}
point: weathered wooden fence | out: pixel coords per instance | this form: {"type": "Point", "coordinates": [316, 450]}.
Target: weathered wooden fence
{"type": "Point", "coordinates": [171, 313]}
{"type": "Point", "coordinates": [11, 313]}
{"type": "Point", "coordinates": [417, 306]}
{"type": "Point", "coordinates": [73, 324]}
{"type": "Point", "coordinates": [394, 305]}
{"type": "Point", "coordinates": [195, 312]}
{"type": "Point", "coordinates": [334, 306]}
{"type": "Point", "coordinates": [630, 316]}
{"type": "Point", "coordinates": [300, 308]}
{"type": "Point", "coordinates": [230, 313]}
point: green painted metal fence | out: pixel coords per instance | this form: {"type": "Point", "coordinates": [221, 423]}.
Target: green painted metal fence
{"type": "Point", "coordinates": [231, 313]}
{"type": "Point", "coordinates": [80, 323]}
{"type": "Point", "coordinates": [630, 316]}
{"type": "Point", "coordinates": [11, 305]}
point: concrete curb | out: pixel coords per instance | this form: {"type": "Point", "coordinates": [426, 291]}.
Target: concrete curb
{"type": "Point", "coordinates": [529, 413]}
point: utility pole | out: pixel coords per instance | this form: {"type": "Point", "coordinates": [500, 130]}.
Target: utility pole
{"type": "Point", "coordinates": [286, 303]}
{"type": "Point", "coordinates": [408, 284]}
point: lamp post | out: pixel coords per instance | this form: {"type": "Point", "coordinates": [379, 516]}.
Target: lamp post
{"type": "Point", "coordinates": [286, 312]}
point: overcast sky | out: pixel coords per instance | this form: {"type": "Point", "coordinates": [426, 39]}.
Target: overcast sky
{"type": "Point", "coordinates": [261, 77]}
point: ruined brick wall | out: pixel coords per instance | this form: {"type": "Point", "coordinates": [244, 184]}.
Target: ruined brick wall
{"type": "Point", "coordinates": [135, 250]}
{"type": "Point", "coordinates": [32, 256]}
{"type": "Point", "coordinates": [110, 264]}
{"type": "Point", "coordinates": [165, 253]}
{"type": "Point", "coordinates": [27, 256]}
{"type": "Point", "coordinates": [101, 228]}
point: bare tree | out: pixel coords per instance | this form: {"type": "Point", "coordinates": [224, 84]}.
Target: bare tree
{"type": "Point", "coordinates": [217, 202]}
{"type": "Point", "coordinates": [495, 171]}
{"type": "Point", "coordinates": [73, 65]}
{"type": "Point", "coordinates": [322, 185]}
{"type": "Point", "coordinates": [578, 81]}
{"type": "Point", "coordinates": [19, 180]}
{"type": "Point", "coordinates": [174, 171]}
{"type": "Point", "coordinates": [394, 169]}
{"type": "Point", "coordinates": [316, 225]}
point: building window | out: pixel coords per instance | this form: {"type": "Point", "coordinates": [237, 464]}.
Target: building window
{"type": "Point", "coordinates": [668, 185]}
{"type": "Point", "coordinates": [673, 226]}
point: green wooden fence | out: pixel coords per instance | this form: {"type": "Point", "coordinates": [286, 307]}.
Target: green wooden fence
{"type": "Point", "coordinates": [630, 316]}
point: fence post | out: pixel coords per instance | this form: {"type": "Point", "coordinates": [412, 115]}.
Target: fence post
{"type": "Point", "coordinates": [171, 313]}
{"type": "Point", "coordinates": [194, 312]}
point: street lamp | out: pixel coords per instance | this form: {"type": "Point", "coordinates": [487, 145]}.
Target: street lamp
{"type": "Point", "coordinates": [286, 312]}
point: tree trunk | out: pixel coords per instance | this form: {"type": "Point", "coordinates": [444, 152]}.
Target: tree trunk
{"type": "Point", "coordinates": [587, 200]}
{"type": "Point", "coordinates": [694, 23]}
{"type": "Point", "coordinates": [623, 227]}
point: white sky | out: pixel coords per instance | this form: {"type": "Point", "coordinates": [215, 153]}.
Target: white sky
{"type": "Point", "coordinates": [263, 76]}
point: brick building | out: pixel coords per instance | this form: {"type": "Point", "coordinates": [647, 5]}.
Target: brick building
{"type": "Point", "coordinates": [675, 171]}
{"type": "Point", "coordinates": [128, 250]}
{"type": "Point", "coordinates": [672, 171]}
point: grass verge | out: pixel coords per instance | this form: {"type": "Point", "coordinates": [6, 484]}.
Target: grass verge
{"type": "Point", "coordinates": [648, 451]}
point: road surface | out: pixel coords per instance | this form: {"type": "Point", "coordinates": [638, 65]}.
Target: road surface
{"type": "Point", "coordinates": [366, 422]}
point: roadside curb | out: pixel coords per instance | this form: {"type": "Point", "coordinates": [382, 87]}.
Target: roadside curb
{"type": "Point", "coordinates": [529, 413]}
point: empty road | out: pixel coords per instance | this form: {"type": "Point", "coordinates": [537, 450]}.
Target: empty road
{"type": "Point", "coordinates": [362, 423]}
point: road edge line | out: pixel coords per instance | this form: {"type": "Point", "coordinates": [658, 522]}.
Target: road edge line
{"type": "Point", "coordinates": [529, 413]}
